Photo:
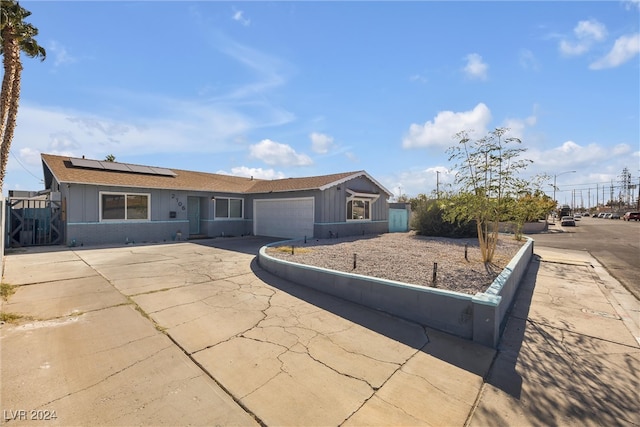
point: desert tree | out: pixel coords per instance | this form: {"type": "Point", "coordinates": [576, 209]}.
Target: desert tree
{"type": "Point", "coordinates": [530, 205]}
{"type": "Point", "coordinates": [16, 36]}
{"type": "Point", "coordinates": [486, 176]}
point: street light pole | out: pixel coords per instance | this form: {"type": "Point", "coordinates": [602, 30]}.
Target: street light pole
{"type": "Point", "coordinates": [554, 184]}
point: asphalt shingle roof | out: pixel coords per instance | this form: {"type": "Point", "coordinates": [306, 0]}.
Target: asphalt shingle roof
{"type": "Point", "coordinates": [65, 172]}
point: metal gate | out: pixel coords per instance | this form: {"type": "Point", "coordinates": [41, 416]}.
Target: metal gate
{"type": "Point", "coordinates": [34, 222]}
{"type": "Point", "coordinates": [398, 220]}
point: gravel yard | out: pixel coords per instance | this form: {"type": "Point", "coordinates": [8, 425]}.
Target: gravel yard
{"type": "Point", "coordinates": [406, 257]}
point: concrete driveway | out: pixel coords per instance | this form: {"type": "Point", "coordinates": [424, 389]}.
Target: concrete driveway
{"type": "Point", "coordinates": [194, 333]}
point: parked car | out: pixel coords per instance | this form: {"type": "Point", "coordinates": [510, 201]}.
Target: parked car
{"type": "Point", "coordinates": [577, 216]}
{"type": "Point", "coordinates": [567, 221]}
{"type": "Point", "coordinates": [607, 215]}
{"type": "Point", "coordinates": [615, 215]}
{"type": "Point", "coordinates": [586, 214]}
{"type": "Point", "coordinates": [631, 216]}
{"type": "Point", "coordinates": [600, 215]}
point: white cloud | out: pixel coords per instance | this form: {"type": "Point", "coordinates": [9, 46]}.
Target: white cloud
{"type": "Point", "coordinates": [518, 126]}
{"type": "Point", "coordinates": [351, 156]}
{"type": "Point", "coordinates": [100, 126]}
{"type": "Point", "coordinates": [257, 173]}
{"type": "Point", "coordinates": [30, 157]}
{"type": "Point", "coordinates": [271, 71]}
{"type": "Point", "coordinates": [631, 4]}
{"type": "Point", "coordinates": [420, 181]}
{"type": "Point", "coordinates": [591, 29]}
{"type": "Point", "coordinates": [621, 149]}
{"type": "Point", "coordinates": [321, 143]}
{"type": "Point", "coordinates": [445, 125]}
{"type": "Point", "coordinates": [60, 54]}
{"type": "Point", "coordinates": [238, 16]}
{"type": "Point", "coordinates": [475, 68]}
{"type": "Point", "coordinates": [573, 48]}
{"type": "Point", "coordinates": [625, 48]}
{"type": "Point", "coordinates": [528, 61]}
{"type": "Point", "coordinates": [182, 128]}
{"type": "Point", "coordinates": [586, 34]}
{"type": "Point", "coordinates": [573, 156]}
{"type": "Point", "coordinates": [275, 153]}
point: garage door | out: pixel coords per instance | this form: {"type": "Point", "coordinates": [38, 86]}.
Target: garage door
{"type": "Point", "coordinates": [289, 218]}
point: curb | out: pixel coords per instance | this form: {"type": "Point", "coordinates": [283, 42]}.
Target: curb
{"type": "Point", "coordinates": [474, 317]}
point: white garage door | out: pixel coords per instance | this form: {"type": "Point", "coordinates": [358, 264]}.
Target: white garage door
{"type": "Point", "coordinates": [289, 218]}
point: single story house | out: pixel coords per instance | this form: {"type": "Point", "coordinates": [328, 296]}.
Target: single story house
{"type": "Point", "coordinates": [113, 202]}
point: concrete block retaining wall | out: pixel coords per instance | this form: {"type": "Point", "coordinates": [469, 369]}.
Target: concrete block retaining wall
{"type": "Point", "coordinates": [528, 227]}
{"type": "Point", "coordinates": [476, 317]}
{"type": "Point", "coordinates": [355, 228]}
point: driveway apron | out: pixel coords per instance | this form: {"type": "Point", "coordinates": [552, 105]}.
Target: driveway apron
{"type": "Point", "coordinates": [191, 333]}
{"type": "Point", "coordinates": [195, 333]}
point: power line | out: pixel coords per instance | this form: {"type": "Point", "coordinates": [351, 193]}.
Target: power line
{"type": "Point", "coordinates": [27, 170]}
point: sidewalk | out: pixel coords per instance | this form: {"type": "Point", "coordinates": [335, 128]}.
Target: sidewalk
{"type": "Point", "coordinates": [193, 334]}
{"type": "Point", "coordinates": [570, 353]}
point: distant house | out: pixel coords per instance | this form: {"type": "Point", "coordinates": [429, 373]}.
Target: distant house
{"type": "Point", "coordinates": [112, 202]}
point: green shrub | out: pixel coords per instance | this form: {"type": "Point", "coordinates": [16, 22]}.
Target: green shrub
{"type": "Point", "coordinates": [427, 220]}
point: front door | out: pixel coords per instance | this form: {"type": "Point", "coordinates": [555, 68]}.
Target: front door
{"type": "Point", "coordinates": [193, 212]}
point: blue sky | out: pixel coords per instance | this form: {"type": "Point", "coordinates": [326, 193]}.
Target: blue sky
{"type": "Point", "coordinates": [288, 89]}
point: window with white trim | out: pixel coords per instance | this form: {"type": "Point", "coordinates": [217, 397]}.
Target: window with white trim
{"type": "Point", "coordinates": [125, 206]}
{"type": "Point", "coordinates": [359, 205]}
{"type": "Point", "coordinates": [359, 209]}
{"type": "Point", "coordinates": [227, 207]}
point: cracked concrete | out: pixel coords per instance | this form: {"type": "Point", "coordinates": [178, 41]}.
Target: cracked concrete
{"type": "Point", "coordinates": [196, 333]}
{"type": "Point", "coordinates": [560, 360]}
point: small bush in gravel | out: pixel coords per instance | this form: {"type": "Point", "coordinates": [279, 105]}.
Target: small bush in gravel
{"type": "Point", "coordinates": [427, 221]}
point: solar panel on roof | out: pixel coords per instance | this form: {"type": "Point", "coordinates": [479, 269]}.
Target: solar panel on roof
{"type": "Point", "coordinates": [120, 167]}
{"type": "Point", "coordinates": [114, 166]}
{"type": "Point", "coordinates": [85, 163]}
{"type": "Point", "coordinates": [163, 171]}
{"type": "Point", "coordinates": [141, 169]}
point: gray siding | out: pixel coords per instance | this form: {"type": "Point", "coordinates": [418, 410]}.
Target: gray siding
{"type": "Point", "coordinates": [219, 227]}
{"type": "Point", "coordinates": [334, 201]}
{"type": "Point", "coordinates": [83, 225]}
{"type": "Point", "coordinates": [331, 218]}
{"type": "Point", "coordinates": [282, 195]}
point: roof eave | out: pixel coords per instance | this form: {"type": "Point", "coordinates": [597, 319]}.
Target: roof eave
{"type": "Point", "coordinates": [353, 176]}
{"type": "Point", "coordinates": [45, 164]}
{"type": "Point", "coordinates": [281, 191]}
{"type": "Point", "coordinates": [104, 184]}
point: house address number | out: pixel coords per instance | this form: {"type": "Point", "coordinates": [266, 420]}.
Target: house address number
{"type": "Point", "coordinates": [177, 199]}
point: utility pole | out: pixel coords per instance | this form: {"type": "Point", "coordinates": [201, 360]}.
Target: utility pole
{"type": "Point", "coordinates": [554, 183]}
{"type": "Point", "coordinates": [611, 195]}
{"type": "Point", "coordinates": [625, 184]}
